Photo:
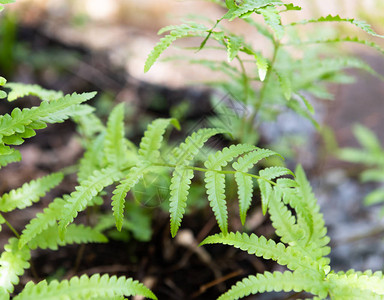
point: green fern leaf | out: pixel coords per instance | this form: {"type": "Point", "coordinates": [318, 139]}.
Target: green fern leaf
{"type": "Point", "coordinates": [78, 234]}
{"type": "Point", "coordinates": [25, 121]}
{"type": "Point", "coordinates": [360, 24]}
{"type": "Point", "coordinates": [265, 187]}
{"type": "Point", "coordinates": [115, 147]}
{"type": "Point", "coordinates": [19, 90]}
{"type": "Point", "coordinates": [261, 62]}
{"type": "Point", "coordinates": [42, 221]}
{"type": "Point", "coordinates": [291, 6]}
{"type": "Point", "coordinates": [283, 220]}
{"type": "Point", "coordinates": [319, 236]}
{"type": "Point", "coordinates": [244, 182]}
{"type": "Point", "coordinates": [356, 285]}
{"type": "Point", "coordinates": [119, 194]}
{"type": "Point", "coordinates": [186, 152]}
{"type": "Point", "coordinates": [340, 40]}
{"type": "Point", "coordinates": [248, 7]}
{"type": "Point", "coordinates": [215, 181]}
{"type": "Point", "coordinates": [85, 288]}
{"type": "Point", "coordinates": [93, 158]}
{"type": "Point", "coordinates": [177, 32]}
{"type": "Point", "coordinates": [234, 44]}
{"type": "Point", "coordinates": [13, 261]}
{"type": "Point", "coordinates": [179, 188]}
{"type": "Point", "coordinates": [153, 136]}
{"type": "Point", "coordinates": [261, 247]}
{"type": "Point", "coordinates": [276, 281]}
{"type": "Point", "coordinates": [273, 20]}
{"type": "Point", "coordinates": [367, 139]}
{"type": "Point", "coordinates": [84, 193]}
{"type": "Point", "coordinates": [29, 193]}
{"type": "Point", "coordinates": [8, 155]}
{"type": "Point", "coordinates": [285, 83]}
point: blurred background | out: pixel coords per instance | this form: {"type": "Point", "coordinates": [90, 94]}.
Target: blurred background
{"type": "Point", "coordinates": [85, 45]}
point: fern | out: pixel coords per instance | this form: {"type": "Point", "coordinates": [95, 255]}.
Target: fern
{"type": "Point", "coordinates": [244, 182]}
{"type": "Point", "coordinates": [21, 124]}
{"type": "Point", "coordinates": [121, 191]}
{"type": "Point", "coordinates": [78, 234]}
{"type": "Point", "coordinates": [176, 32]}
{"type": "Point", "coordinates": [115, 147]}
{"type": "Point", "coordinates": [84, 193]}
{"type": "Point", "coordinates": [42, 221]}
{"type": "Point", "coordinates": [273, 19]}
{"type": "Point", "coordinates": [153, 136]}
{"type": "Point", "coordinates": [371, 155]}
{"type": "Point", "coordinates": [180, 183]}
{"type": "Point", "coordinates": [276, 281]}
{"type": "Point", "coordinates": [302, 253]}
{"type": "Point", "coordinates": [85, 287]}
{"type": "Point", "coordinates": [19, 90]}
{"type": "Point", "coordinates": [29, 193]}
{"type": "Point", "coordinates": [360, 24]}
{"type": "Point", "coordinates": [8, 155]}
{"type": "Point", "coordinates": [215, 181]}
{"type": "Point", "coordinates": [339, 40]}
{"type": "Point", "coordinates": [13, 261]}
{"type": "Point", "coordinates": [248, 7]}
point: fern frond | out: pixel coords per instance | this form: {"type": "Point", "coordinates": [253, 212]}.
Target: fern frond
{"type": "Point", "coordinates": [8, 155]}
{"type": "Point", "coordinates": [186, 152]}
{"type": "Point", "coordinates": [85, 288]}
{"type": "Point", "coordinates": [285, 83]}
{"type": "Point", "coordinates": [265, 186]}
{"type": "Point", "coordinates": [119, 194]}
{"type": "Point", "coordinates": [360, 24]}
{"type": "Point", "coordinates": [115, 147]}
{"type": "Point", "coordinates": [367, 139]}
{"type": "Point", "coordinates": [276, 281]}
{"type": "Point", "coordinates": [319, 236]}
{"type": "Point", "coordinates": [176, 32]}
{"type": "Point", "coordinates": [93, 158]}
{"type": "Point", "coordinates": [42, 221]}
{"type": "Point", "coordinates": [153, 136]}
{"type": "Point", "coordinates": [215, 181]}
{"type": "Point", "coordinates": [78, 234]}
{"type": "Point", "coordinates": [234, 43]}
{"type": "Point", "coordinates": [13, 261]}
{"type": "Point", "coordinates": [179, 188]}
{"type": "Point", "coordinates": [339, 40]}
{"type": "Point", "coordinates": [273, 20]}
{"type": "Point", "coordinates": [283, 220]}
{"type": "Point", "coordinates": [261, 62]}
{"type": "Point", "coordinates": [22, 123]}
{"type": "Point", "coordinates": [261, 247]}
{"type": "Point", "coordinates": [19, 90]}
{"type": "Point", "coordinates": [29, 193]}
{"type": "Point", "coordinates": [356, 285]}
{"type": "Point", "coordinates": [89, 188]}
{"type": "Point", "coordinates": [248, 7]}
{"type": "Point", "coordinates": [244, 182]}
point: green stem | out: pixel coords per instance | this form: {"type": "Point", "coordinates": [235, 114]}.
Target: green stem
{"type": "Point", "coordinates": [10, 226]}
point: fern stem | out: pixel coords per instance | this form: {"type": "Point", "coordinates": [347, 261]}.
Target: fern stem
{"type": "Point", "coordinates": [10, 227]}
{"type": "Point", "coordinates": [217, 171]}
